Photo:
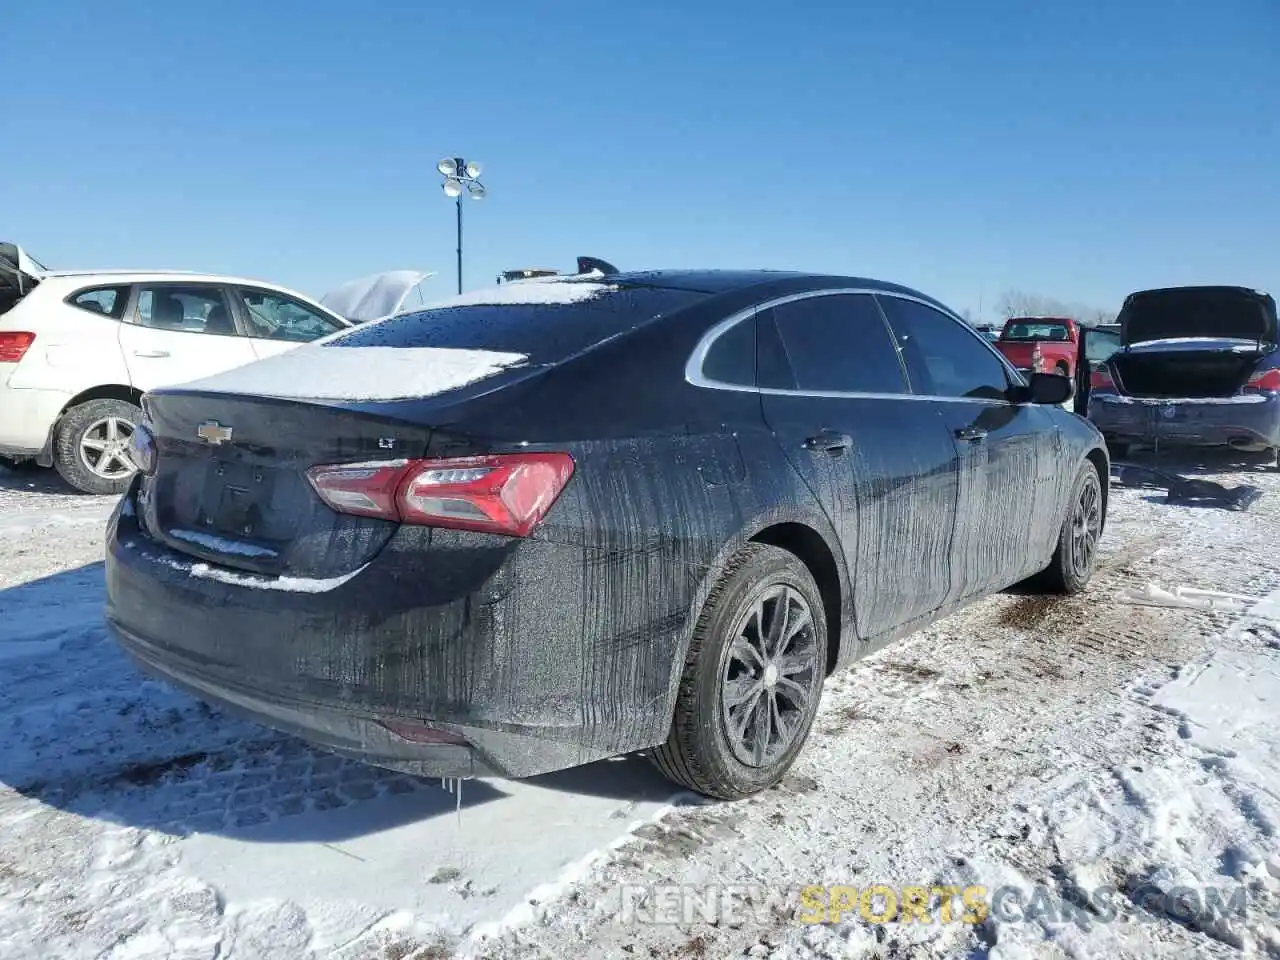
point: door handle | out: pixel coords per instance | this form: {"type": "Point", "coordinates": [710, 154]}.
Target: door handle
{"type": "Point", "coordinates": [830, 442]}
{"type": "Point", "coordinates": [151, 354]}
{"type": "Point", "coordinates": [972, 434]}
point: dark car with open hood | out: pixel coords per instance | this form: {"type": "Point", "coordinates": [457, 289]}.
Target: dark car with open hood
{"type": "Point", "coordinates": [574, 517]}
{"type": "Point", "coordinates": [1197, 366]}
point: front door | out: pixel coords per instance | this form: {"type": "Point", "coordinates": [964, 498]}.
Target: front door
{"type": "Point", "coordinates": [879, 461]}
{"type": "Point", "coordinates": [178, 332]}
{"type": "Point", "coordinates": [998, 444]}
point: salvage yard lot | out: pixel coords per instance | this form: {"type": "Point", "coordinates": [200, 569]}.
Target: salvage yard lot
{"type": "Point", "coordinates": [1070, 745]}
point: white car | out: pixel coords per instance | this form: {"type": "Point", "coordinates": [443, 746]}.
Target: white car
{"type": "Point", "coordinates": [78, 350]}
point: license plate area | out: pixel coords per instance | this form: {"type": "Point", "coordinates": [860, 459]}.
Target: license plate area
{"type": "Point", "coordinates": [236, 498]}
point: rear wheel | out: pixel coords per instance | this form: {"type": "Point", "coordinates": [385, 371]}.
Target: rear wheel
{"type": "Point", "coordinates": [91, 448]}
{"type": "Point", "coordinates": [1077, 553]}
{"type": "Point", "coordinates": [752, 680]}
{"type": "Point", "coordinates": [1062, 370]}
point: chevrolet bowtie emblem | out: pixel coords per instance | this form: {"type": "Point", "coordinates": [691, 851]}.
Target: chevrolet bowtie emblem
{"type": "Point", "coordinates": [211, 431]}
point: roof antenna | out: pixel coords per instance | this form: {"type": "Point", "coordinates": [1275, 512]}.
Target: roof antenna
{"type": "Point", "coordinates": [593, 264]}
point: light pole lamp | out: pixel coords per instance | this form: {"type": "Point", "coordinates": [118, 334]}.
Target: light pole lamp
{"type": "Point", "coordinates": [461, 176]}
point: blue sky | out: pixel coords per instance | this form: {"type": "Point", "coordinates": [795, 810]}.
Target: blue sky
{"type": "Point", "coordinates": [1078, 150]}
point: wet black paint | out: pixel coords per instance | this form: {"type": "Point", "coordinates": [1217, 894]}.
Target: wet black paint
{"type": "Point", "coordinates": [567, 646]}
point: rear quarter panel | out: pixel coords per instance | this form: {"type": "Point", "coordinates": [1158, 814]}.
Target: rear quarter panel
{"type": "Point", "coordinates": [670, 481]}
{"type": "Point", "coordinates": [74, 350]}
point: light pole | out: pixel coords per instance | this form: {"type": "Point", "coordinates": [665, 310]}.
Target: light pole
{"type": "Point", "coordinates": [459, 176]}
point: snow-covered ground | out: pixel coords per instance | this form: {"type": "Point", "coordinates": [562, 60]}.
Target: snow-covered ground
{"type": "Point", "coordinates": [1089, 751]}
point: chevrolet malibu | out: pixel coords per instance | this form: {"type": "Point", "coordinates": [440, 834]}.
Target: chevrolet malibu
{"type": "Point", "coordinates": [576, 517]}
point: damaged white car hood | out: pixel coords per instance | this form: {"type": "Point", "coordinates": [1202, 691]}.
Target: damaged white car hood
{"type": "Point", "coordinates": [373, 297]}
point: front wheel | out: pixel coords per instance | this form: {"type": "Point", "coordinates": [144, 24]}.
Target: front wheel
{"type": "Point", "coordinates": [91, 448]}
{"type": "Point", "coordinates": [1077, 553]}
{"type": "Point", "coordinates": [752, 679]}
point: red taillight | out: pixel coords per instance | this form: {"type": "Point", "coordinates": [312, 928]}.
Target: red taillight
{"type": "Point", "coordinates": [1265, 380]}
{"type": "Point", "coordinates": [13, 346]}
{"type": "Point", "coordinates": [1100, 379]}
{"type": "Point", "coordinates": [504, 493]}
{"type": "Point", "coordinates": [363, 489]}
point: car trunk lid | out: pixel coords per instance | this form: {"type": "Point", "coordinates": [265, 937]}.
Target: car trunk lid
{"type": "Point", "coordinates": [230, 485]}
{"type": "Point", "coordinates": [19, 275]}
{"type": "Point", "coordinates": [1182, 312]}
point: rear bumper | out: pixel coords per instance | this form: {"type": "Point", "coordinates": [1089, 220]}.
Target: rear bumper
{"type": "Point", "coordinates": [27, 417]}
{"type": "Point", "coordinates": [1231, 421]}
{"type": "Point", "coordinates": [480, 636]}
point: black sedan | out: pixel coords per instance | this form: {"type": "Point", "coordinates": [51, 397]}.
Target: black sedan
{"type": "Point", "coordinates": [576, 517]}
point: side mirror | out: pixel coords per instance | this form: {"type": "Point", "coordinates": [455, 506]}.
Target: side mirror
{"type": "Point", "coordinates": [1048, 388]}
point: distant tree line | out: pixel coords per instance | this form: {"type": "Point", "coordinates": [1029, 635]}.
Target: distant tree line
{"type": "Point", "coordinates": [1019, 303]}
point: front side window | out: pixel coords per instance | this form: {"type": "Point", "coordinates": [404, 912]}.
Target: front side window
{"type": "Point", "coordinates": [839, 343]}
{"type": "Point", "coordinates": [273, 316]}
{"type": "Point", "coordinates": [108, 301]}
{"type": "Point", "coordinates": [944, 357]}
{"type": "Point", "coordinates": [187, 308]}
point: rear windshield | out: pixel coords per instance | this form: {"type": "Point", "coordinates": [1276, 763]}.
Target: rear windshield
{"type": "Point", "coordinates": [1037, 331]}
{"type": "Point", "coordinates": [543, 332]}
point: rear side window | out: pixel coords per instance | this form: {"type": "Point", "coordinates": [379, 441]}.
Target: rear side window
{"type": "Point", "coordinates": [108, 301]}
{"type": "Point", "coordinates": [543, 332]}
{"type": "Point", "coordinates": [186, 309]}
{"type": "Point", "coordinates": [732, 357]}
{"type": "Point", "coordinates": [839, 343]}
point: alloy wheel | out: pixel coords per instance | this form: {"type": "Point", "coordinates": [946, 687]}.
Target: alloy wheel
{"type": "Point", "coordinates": [1086, 527]}
{"type": "Point", "coordinates": [104, 448]}
{"type": "Point", "coordinates": [771, 676]}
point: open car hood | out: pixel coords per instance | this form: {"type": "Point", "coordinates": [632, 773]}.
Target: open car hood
{"type": "Point", "coordinates": [18, 272]}
{"type": "Point", "coordinates": [1219, 312]}
{"type": "Point", "coordinates": [374, 297]}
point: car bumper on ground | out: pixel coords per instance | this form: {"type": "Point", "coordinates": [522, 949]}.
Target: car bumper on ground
{"type": "Point", "coordinates": [1251, 421]}
{"type": "Point", "coordinates": [490, 644]}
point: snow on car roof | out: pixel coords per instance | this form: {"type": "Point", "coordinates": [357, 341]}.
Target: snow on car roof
{"type": "Point", "coordinates": [535, 290]}
{"type": "Point", "coordinates": [319, 372]}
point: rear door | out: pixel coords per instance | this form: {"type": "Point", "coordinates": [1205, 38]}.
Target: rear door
{"type": "Point", "coordinates": [880, 462]}
{"type": "Point", "coordinates": [178, 332]}
{"type": "Point", "coordinates": [1006, 451]}
{"type": "Point", "coordinates": [276, 322]}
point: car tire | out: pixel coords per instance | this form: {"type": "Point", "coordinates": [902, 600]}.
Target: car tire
{"type": "Point", "coordinates": [1076, 555]}
{"type": "Point", "coordinates": [1062, 370]}
{"type": "Point", "coordinates": [713, 748]}
{"type": "Point", "coordinates": [101, 428]}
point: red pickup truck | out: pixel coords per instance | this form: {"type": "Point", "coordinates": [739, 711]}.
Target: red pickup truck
{"type": "Point", "coordinates": [1041, 344]}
